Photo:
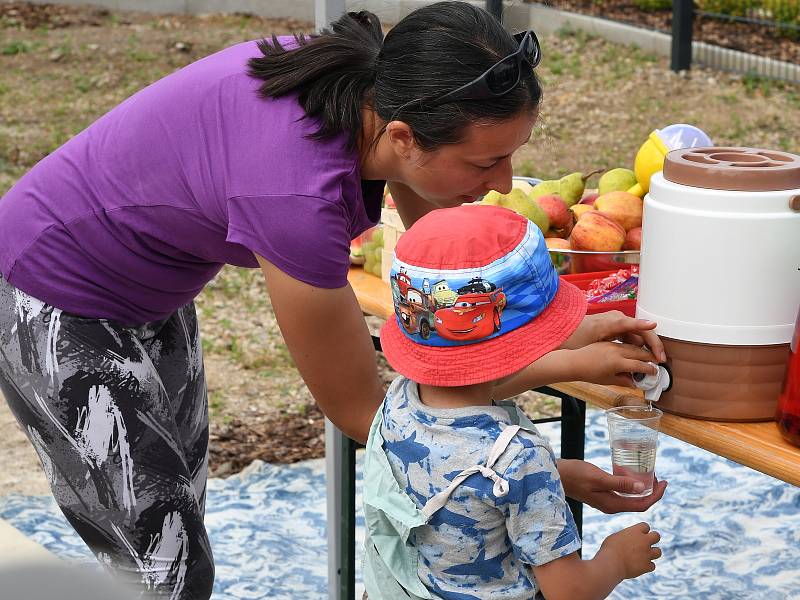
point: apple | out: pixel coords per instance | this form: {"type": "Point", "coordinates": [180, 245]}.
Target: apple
{"type": "Point", "coordinates": [597, 232]}
{"type": "Point", "coordinates": [557, 243]}
{"type": "Point", "coordinates": [579, 210]}
{"type": "Point", "coordinates": [556, 210]}
{"type": "Point", "coordinates": [633, 239]}
{"type": "Point", "coordinates": [626, 209]}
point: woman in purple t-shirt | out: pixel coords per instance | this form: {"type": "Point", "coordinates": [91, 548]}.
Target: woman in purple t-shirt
{"type": "Point", "coordinates": [274, 155]}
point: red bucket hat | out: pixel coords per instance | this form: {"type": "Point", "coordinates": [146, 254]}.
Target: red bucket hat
{"type": "Point", "coordinates": [476, 298]}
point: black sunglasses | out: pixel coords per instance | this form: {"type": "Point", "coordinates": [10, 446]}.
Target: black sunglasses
{"type": "Point", "coordinates": [501, 77]}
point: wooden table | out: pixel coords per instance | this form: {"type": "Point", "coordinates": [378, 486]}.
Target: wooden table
{"type": "Point", "coordinates": [755, 445]}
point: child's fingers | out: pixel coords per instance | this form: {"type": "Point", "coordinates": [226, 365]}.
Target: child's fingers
{"type": "Point", "coordinates": [638, 366]}
{"type": "Point", "coordinates": [637, 353]}
{"type": "Point", "coordinates": [651, 567]}
{"type": "Point", "coordinates": [652, 341]}
{"type": "Point", "coordinates": [623, 380]}
{"type": "Point", "coordinates": [634, 339]}
{"type": "Point", "coordinates": [643, 527]}
{"type": "Point", "coordinates": [655, 553]}
{"type": "Point", "coordinates": [653, 538]}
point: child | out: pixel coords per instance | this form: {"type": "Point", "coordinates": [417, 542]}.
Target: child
{"type": "Point", "coordinates": [462, 496]}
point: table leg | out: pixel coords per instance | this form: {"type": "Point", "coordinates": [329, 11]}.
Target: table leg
{"type": "Point", "coordinates": [340, 470]}
{"type": "Point", "coordinates": [573, 438]}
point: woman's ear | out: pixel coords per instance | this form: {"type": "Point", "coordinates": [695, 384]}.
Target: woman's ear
{"type": "Point", "coordinates": [401, 140]}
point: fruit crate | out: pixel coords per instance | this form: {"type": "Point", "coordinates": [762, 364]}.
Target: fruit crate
{"type": "Point", "coordinates": [393, 228]}
{"type": "Point", "coordinates": [582, 281]}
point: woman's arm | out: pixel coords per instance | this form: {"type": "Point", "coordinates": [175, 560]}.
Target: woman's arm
{"type": "Point", "coordinates": [329, 341]}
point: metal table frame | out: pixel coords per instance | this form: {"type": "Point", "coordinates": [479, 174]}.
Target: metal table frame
{"type": "Point", "coordinates": [340, 466]}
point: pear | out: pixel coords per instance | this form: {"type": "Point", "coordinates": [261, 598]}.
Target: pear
{"type": "Point", "coordinates": [572, 186]}
{"type": "Point", "coordinates": [616, 180]}
{"type": "Point", "coordinates": [520, 203]}
{"type": "Point", "coordinates": [545, 188]}
{"type": "Point", "coordinates": [493, 198]}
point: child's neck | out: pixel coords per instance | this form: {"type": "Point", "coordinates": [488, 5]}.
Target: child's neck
{"type": "Point", "coordinates": [457, 397]}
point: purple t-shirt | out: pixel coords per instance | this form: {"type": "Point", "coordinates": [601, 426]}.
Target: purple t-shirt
{"type": "Point", "coordinates": [133, 216]}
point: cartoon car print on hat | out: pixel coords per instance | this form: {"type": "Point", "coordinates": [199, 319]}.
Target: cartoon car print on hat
{"type": "Point", "coordinates": [403, 282]}
{"type": "Point", "coordinates": [415, 311]}
{"type": "Point", "coordinates": [475, 315]}
{"type": "Point", "coordinates": [443, 296]}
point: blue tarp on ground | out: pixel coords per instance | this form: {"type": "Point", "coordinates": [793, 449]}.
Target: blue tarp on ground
{"type": "Point", "coordinates": [728, 532]}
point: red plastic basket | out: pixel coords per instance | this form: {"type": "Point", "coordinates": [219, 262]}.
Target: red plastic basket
{"type": "Point", "coordinates": [582, 281]}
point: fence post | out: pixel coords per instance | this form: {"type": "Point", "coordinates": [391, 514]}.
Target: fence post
{"type": "Point", "coordinates": [682, 34]}
{"type": "Point", "coordinates": [327, 11]}
{"type": "Point", "coordinates": [495, 7]}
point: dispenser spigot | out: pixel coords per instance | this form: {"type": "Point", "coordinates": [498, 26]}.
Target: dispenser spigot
{"type": "Point", "coordinates": [655, 384]}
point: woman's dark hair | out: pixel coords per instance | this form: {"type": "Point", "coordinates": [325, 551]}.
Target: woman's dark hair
{"type": "Point", "coordinates": [432, 51]}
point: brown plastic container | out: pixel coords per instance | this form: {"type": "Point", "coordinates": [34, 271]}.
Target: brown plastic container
{"type": "Point", "coordinates": [723, 383]}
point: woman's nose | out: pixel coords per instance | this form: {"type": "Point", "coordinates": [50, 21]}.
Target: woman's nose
{"type": "Point", "coordinates": [501, 177]}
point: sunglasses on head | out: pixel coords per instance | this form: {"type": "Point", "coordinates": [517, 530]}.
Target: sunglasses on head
{"type": "Point", "coordinates": [501, 77]}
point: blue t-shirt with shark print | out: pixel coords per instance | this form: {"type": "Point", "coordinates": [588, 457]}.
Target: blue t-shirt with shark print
{"type": "Point", "coordinates": [478, 545]}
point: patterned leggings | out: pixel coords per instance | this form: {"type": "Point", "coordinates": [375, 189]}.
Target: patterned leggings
{"type": "Point", "coordinates": [119, 418]}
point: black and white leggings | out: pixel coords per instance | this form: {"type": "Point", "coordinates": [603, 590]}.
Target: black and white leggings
{"type": "Point", "coordinates": [119, 418]}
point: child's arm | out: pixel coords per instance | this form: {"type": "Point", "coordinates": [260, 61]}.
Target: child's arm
{"type": "Point", "coordinates": [605, 363]}
{"type": "Point", "coordinates": [623, 555]}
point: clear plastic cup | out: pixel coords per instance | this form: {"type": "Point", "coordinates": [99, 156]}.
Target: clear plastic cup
{"type": "Point", "coordinates": [633, 436]}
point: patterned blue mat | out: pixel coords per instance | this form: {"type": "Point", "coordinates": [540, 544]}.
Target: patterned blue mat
{"type": "Point", "coordinates": [728, 532]}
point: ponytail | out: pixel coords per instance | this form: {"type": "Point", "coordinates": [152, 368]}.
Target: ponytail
{"type": "Point", "coordinates": [332, 73]}
{"type": "Point", "coordinates": [432, 51]}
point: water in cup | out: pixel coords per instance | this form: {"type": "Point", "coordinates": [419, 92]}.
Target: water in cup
{"type": "Point", "coordinates": [635, 459]}
{"type": "Point", "coordinates": [633, 436]}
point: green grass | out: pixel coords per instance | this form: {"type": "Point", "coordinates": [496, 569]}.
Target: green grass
{"type": "Point", "coordinates": [16, 47]}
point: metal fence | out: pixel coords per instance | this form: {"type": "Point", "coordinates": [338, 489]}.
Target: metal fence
{"type": "Point", "coordinates": [749, 26]}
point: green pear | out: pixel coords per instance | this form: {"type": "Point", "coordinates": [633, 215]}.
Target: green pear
{"type": "Point", "coordinates": [616, 180]}
{"type": "Point", "coordinates": [521, 203]}
{"type": "Point", "coordinates": [545, 188]}
{"type": "Point", "coordinates": [572, 186]}
{"type": "Point", "coordinates": [493, 198]}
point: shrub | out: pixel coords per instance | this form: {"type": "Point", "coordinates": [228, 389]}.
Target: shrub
{"type": "Point", "coordinates": [653, 5]}
{"type": "Point", "coordinates": [735, 8]}
{"type": "Point", "coordinates": [783, 11]}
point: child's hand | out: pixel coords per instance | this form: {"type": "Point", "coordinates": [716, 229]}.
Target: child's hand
{"type": "Point", "coordinates": [633, 548]}
{"type": "Point", "coordinates": [614, 325]}
{"type": "Point", "coordinates": [611, 363]}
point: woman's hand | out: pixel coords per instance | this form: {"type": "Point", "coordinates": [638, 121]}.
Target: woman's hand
{"type": "Point", "coordinates": [613, 325]}
{"type": "Point", "coordinates": [591, 485]}
{"type": "Point", "coordinates": [610, 363]}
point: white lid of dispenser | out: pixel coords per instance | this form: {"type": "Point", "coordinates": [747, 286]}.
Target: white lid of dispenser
{"type": "Point", "coordinates": [720, 260]}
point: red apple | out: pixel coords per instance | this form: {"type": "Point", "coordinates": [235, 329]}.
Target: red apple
{"type": "Point", "coordinates": [633, 239]}
{"type": "Point", "coordinates": [556, 210]}
{"type": "Point", "coordinates": [589, 198]}
{"type": "Point", "coordinates": [597, 232]}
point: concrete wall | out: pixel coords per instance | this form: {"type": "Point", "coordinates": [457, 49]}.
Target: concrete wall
{"type": "Point", "coordinates": [389, 11]}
